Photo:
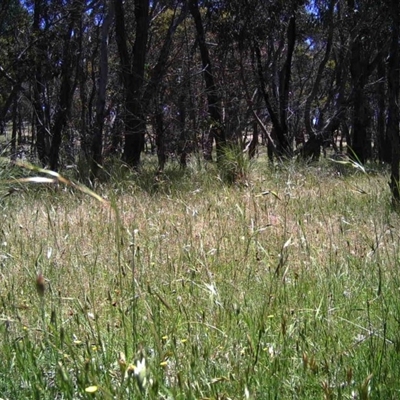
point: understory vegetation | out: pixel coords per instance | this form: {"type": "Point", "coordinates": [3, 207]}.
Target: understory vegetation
{"type": "Point", "coordinates": [282, 285]}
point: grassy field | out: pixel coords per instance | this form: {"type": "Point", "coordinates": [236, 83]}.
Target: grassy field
{"type": "Point", "coordinates": [283, 286]}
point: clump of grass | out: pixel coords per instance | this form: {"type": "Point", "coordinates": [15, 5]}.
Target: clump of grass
{"type": "Point", "coordinates": [234, 165]}
{"type": "Point", "coordinates": [285, 287]}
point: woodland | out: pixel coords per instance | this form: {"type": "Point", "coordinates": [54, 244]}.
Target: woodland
{"type": "Point", "coordinates": [194, 199]}
{"type": "Point", "coordinates": [87, 81]}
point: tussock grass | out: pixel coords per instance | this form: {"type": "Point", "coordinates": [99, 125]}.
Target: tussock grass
{"type": "Point", "coordinates": [282, 286]}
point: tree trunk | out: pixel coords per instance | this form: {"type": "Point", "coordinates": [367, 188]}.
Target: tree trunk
{"type": "Point", "coordinates": [360, 70]}
{"type": "Point", "coordinates": [384, 153]}
{"type": "Point", "coordinates": [313, 146]}
{"type": "Point", "coordinates": [393, 94]}
{"type": "Point", "coordinates": [14, 129]}
{"type": "Point", "coordinates": [160, 139]}
{"type": "Point", "coordinates": [97, 137]}
{"type": "Point", "coordinates": [214, 107]}
{"type": "Point", "coordinates": [182, 144]}
{"type": "Point", "coordinates": [42, 129]}
{"type": "Point", "coordinates": [254, 141]}
{"type": "Point", "coordinates": [133, 78]}
{"type": "Point", "coordinates": [284, 86]}
{"type": "Point", "coordinates": [67, 85]}
{"type": "Point", "coordinates": [153, 87]}
{"type": "Point", "coordinates": [278, 114]}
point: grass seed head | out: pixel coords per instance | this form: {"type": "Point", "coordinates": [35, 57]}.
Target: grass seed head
{"type": "Point", "coordinates": [40, 285]}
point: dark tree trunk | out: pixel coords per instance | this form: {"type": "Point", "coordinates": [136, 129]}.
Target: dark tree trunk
{"type": "Point", "coordinates": [97, 138]}
{"type": "Point", "coordinates": [10, 100]}
{"type": "Point", "coordinates": [254, 141]}
{"type": "Point", "coordinates": [159, 70]}
{"type": "Point", "coordinates": [278, 114]}
{"type": "Point", "coordinates": [360, 69]}
{"type": "Point", "coordinates": [85, 119]}
{"type": "Point", "coordinates": [85, 114]}
{"type": "Point", "coordinates": [14, 129]}
{"type": "Point", "coordinates": [16, 87]}
{"type": "Point", "coordinates": [359, 123]}
{"type": "Point", "coordinates": [214, 107]}
{"type": "Point", "coordinates": [42, 129]}
{"type": "Point", "coordinates": [360, 149]}
{"type": "Point", "coordinates": [42, 137]}
{"type": "Point", "coordinates": [68, 84]}
{"type": "Point", "coordinates": [135, 121]}
{"type": "Point", "coordinates": [384, 154]}
{"type": "Point", "coordinates": [133, 78]}
{"type": "Point", "coordinates": [284, 83]}
{"type": "Point", "coordinates": [393, 94]}
{"type": "Point", "coordinates": [313, 146]}
{"type": "Point", "coordinates": [153, 87]}
{"type": "Point", "coordinates": [182, 144]}
{"type": "Point", "coordinates": [116, 135]}
{"type": "Point", "coordinates": [207, 145]}
{"type": "Point", "coordinates": [160, 136]}
{"type": "Point", "coordinates": [346, 131]}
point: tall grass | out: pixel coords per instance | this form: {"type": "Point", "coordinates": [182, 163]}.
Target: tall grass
{"type": "Point", "coordinates": [184, 287]}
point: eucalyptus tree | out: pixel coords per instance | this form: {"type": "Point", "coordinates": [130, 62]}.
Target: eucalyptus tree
{"type": "Point", "coordinates": [315, 139]}
{"type": "Point", "coordinates": [141, 80]}
{"type": "Point", "coordinates": [133, 75]}
{"type": "Point", "coordinates": [393, 94]}
{"type": "Point", "coordinates": [43, 72]}
{"type": "Point", "coordinates": [14, 56]}
{"type": "Point", "coordinates": [266, 34]}
{"type": "Point", "coordinates": [70, 36]}
{"type": "Point", "coordinates": [58, 29]}
{"type": "Point", "coordinates": [366, 21]}
{"type": "Point", "coordinates": [179, 108]}
{"type": "Point", "coordinates": [97, 135]}
{"type": "Point", "coordinates": [175, 13]}
{"type": "Point", "coordinates": [214, 104]}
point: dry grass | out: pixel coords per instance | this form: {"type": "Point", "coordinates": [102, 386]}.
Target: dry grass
{"type": "Point", "coordinates": [278, 286]}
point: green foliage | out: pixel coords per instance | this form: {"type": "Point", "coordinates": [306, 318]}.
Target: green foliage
{"type": "Point", "coordinates": [282, 288]}
{"type": "Point", "coordinates": [234, 165]}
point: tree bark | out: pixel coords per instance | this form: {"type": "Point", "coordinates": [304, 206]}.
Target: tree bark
{"type": "Point", "coordinates": [393, 94]}
{"type": "Point", "coordinates": [214, 107]}
{"type": "Point", "coordinates": [42, 130]}
{"type": "Point", "coordinates": [278, 114]}
{"type": "Point", "coordinates": [97, 137]}
{"type": "Point", "coordinates": [133, 78]}
{"type": "Point", "coordinates": [182, 143]}
{"type": "Point", "coordinates": [383, 145]}
{"type": "Point", "coordinates": [284, 83]}
{"type": "Point", "coordinates": [67, 85]}
{"type": "Point", "coordinates": [313, 146]}
{"type": "Point", "coordinates": [360, 70]}
{"type": "Point", "coordinates": [14, 129]}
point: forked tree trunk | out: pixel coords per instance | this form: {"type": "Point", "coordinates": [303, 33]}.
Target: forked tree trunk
{"type": "Point", "coordinates": [278, 113]}
{"type": "Point", "coordinates": [138, 96]}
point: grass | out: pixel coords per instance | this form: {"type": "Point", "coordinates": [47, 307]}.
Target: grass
{"type": "Point", "coordinates": [284, 286]}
